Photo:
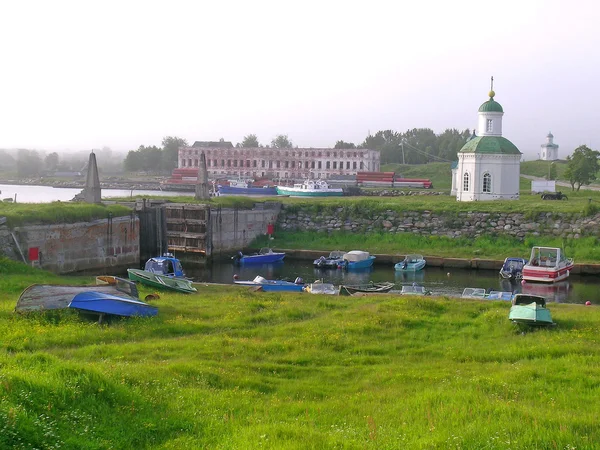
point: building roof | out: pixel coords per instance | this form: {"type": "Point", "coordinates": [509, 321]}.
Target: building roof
{"type": "Point", "coordinates": [490, 145]}
{"type": "Point", "coordinates": [213, 144]}
{"type": "Point", "coordinates": [491, 105]}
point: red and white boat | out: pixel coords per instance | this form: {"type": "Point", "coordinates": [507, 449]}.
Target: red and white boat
{"type": "Point", "coordinates": [547, 265]}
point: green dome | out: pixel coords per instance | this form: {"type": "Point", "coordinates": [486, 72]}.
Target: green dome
{"type": "Point", "coordinates": [491, 106]}
{"type": "Point", "coordinates": [490, 145]}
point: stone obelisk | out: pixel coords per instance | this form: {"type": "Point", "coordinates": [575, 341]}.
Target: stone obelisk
{"type": "Point", "coordinates": [92, 192]}
{"type": "Point", "coordinates": [202, 185]}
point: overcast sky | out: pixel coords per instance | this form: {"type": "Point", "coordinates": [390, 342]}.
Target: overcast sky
{"type": "Point", "coordinates": [85, 74]}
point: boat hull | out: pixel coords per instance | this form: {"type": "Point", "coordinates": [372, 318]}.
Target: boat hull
{"type": "Point", "coordinates": [410, 267]}
{"type": "Point", "coordinates": [373, 288]}
{"type": "Point", "coordinates": [292, 192]}
{"type": "Point", "coordinates": [546, 274]}
{"type": "Point", "coordinates": [161, 282]}
{"type": "Point", "coordinates": [357, 265]}
{"type": "Point", "coordinates": [273, 285]}
{"type": "Point", "coordinates": [532, 314]}
{"type": "Point", "coordinates": [262, 259]}
{"type": "Point", "coordinates": [102, 303]}
{"type": "Point", "coordinates": [253, 191]}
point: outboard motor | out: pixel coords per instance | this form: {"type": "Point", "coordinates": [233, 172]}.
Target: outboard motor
{"type": "Point", "coordinates": [298, 280]}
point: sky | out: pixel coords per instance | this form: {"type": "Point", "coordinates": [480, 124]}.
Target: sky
{"type": "Point", "coordinates": [79, 75]}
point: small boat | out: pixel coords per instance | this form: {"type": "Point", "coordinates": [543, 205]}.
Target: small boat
{"type": "Point", "coordinates": [411, 263]}
{"type": "Point", "coordinates": [481, 293]}
{"type": "Point", "coordinates": [371, 288]}
{"type": "Point", "coordinates": [318, 287]}
{"type": "Point", "coordinates": [166, 265]}
{"type": "Point", "coordinates": [330, 262]}
{"type": "Point", "coordinates": [499, 295]}
{"type": "Point", "coordinates": [530, 310]}
{"type": "Point", "coordinates": [414, 289]}
{"type": "Point", "coordinates": [356, 259]}
{"type": "Point", "coordinates": [310, 188]}
{"type": "Point", "coordinates": [274, 285]}
{"type": "Point", "coordinates": [547, 265]}
{"type": "Point", "coordinates": [512, 269]}
{"type": "Point", "coordinates": [103, 303]}
{"type": "Point", "coordinates": [264, 256]}
{"type": "Point", "coordinates": [244, 187]}
{"type": "Point", "coordinates": [161, 281]}
{"type": "Point", "coordinates": [473, 293]}
{"type": "Point", "coordinates": [45, 297]}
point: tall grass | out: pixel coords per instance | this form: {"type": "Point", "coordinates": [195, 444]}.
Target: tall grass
{"type": "Point", "coordinates": [57, 212]}
{"type": "Point", "coordinates": [229, 368]}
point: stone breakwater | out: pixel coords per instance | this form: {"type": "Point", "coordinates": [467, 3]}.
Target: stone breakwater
{"type": "Point", "coordinates": [463, 224]}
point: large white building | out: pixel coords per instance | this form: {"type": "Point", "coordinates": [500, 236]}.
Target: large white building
{"type": "Point", "coordinates": [489, 165]}
{"type": "Point", "coordinates": [549, 150]}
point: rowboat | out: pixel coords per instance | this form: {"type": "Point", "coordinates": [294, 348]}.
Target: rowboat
{"type": "Point", "coordinates": [357, 259]}
{"type": "Point", "coordinates": [273, 285]}
{"type": "Point", "coordinates": [329, 262]}
{"type": "Point", "coordinates": [371, 288]}
{"type": "Point", "coordinates": [103, 303]}
{"type": "Point", "coordinates": [530, 310]}
{"type": "Point", "coordinates": [411, 263]}
{"type": "Point", "coordinates": [161, 281]}
{"type": "Point", "coordinates": [547, 265]}
{"type": "Point", "coordinates": [264, 256]}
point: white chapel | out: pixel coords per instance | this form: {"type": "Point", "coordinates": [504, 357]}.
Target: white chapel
{"type": "Point", "coordinates": [489, 165]}
{"type": "Point", "coordinates": [549, 150]}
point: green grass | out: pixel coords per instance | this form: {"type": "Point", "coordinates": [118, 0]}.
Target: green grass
{"type": "Point", "coordinates": [228, 368]}
{"type": "Point", "coordinates": [57, 212]}
{"type": "Point", "coordinates": [583, 250]}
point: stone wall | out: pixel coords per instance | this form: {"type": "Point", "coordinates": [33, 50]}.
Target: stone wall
{"type": "Point", "coordinates": [467, 224]}
{"type": "Point", "coordinates": [101, 246]}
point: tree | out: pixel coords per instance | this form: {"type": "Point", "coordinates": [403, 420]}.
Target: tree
{"type": "Point", "coordinates": [281, 141]}
{"type": "Point", "coordinates": [582, 166]}
{"type": "Point", "coordinates": [51, 161]}
{"type": "Point", "coordinates": [249, 141]}
{"type": "Point", "coordinates": [29, 163]}
{"type": "Point", "coordinates": [344, 145]}
{"type": "Point", "coordinates": [170, 147]}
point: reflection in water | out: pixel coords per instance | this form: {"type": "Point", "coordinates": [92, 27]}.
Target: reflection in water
{"type": "Point", "coordinates": [445, 282]}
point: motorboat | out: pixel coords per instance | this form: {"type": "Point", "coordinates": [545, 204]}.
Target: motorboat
{"type": "Point", "coordinates": [356, 259]}
{"type": "Point", "coordinates": [530, 310]}
{"type": "Point", "coordinates": [411, 263]}
{"type": "Point", "coordinates": [244, 187]}
{"type": "Point", "coordinates": [310, 188]}
{"type": "Point", "coordinates": [273, 285]}
{"type": "Point", "coordinates": [264, 256]}
{"type": "Point", "coordinates": [547, 265]}
{"type": "Point", "coordinates": [166, 265]}
{"type": "Point", "coordinates": [329, 262]}
{"type": "Point", "coordinates": [512, 268]}
{"type": "Point", "coordinates": [370, 288]}
{"type": "Point", "coordinates": [157, 280]}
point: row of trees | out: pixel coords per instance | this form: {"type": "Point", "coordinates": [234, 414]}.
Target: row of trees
{"type": "Point", "coordinates": [155, 159]}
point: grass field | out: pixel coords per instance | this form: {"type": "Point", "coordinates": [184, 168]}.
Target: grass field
{"type": "Point", "coordinates": [233, 369]}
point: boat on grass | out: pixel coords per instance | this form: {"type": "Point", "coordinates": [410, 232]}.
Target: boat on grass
{"type": "Point", "coordinates": [244, 187]}
{"type": "Point", "coordinates": [166, 265]}
{"type": "Point", "coordinates": [547, 265]}
{"type": "Point", "coordinates": [512, 268]}
{"type": "Point", "coordinates": [357, 259]}
{"type": "Point", "coordinates": [161, 281]}
{"type": "Point", "coordinates": [103, 303]}
{"type": "Point", "coordinates": [264, 256]}
{"type": "Point", "coordinates": [411, 263]}
{"type": "Point", "coordinates": [480, 293]}
{"type": "Point", "coordinates": [310, 188]}
{"type": "Point", "coordinates": [499, 295]}
{"type": "Point", "coordinates": [530, 310]}
{"type": "Point", "coordinates": [273, 285]}
{"type": "Point", "coordinates": [414, 289]}
{"type": "Point", "coordinates": [371, 288]}
{"type": "Point", "coordinates": [473, 293]}
{"type": "Point", "coordinates": [46, 297]}
{"type": "Point", "coordinates": [330, 262]}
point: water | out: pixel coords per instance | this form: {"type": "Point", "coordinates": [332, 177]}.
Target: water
{"type": "Point", "coordinates": [448, 282]}
{"type": "Point", "coordinates": [47, 194]}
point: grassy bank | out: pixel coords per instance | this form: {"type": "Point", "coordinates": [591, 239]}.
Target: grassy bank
{"type": "Point", "coordinates": [57, 212]}
{"type": "Point", "coordinates": [228, 368]}
{"type": "Point", "coordinates": [584, 250]}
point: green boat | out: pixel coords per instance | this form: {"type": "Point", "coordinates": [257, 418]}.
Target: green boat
{"type": "Point", "coordinates": [161, 281]}
{"type": "Point", "coordinates": [529, 310]}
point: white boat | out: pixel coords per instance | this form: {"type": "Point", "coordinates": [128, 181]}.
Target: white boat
{"type": "Point", "coordinates": [310, 188]}
{"type": "Point", "coordinates": [547, 265]}
{"type": "Point", "coordinates": [318, 287]}
{"type": "Point", "coordinates": [414, 289]}
{"type": "Point", "coordinates": [473, 293]}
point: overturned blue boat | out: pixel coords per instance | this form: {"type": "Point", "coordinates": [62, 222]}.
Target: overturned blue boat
{"type": "Point", "coordinates": [102, 303]}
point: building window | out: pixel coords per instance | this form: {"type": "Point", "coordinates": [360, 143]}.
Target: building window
{"type": "Point", "coordinates": [347, 164]}
{"type": "Point", "coordinates": [487, 183]}
{"type": "Point", "coordinates": [183, 163]}
{"type": "Point", "coordinates": [254, 163]}
{"type": "Point", "coordinates": [279, 164]}
{"type": "Point", "coordinates": [466, 182]}
{"type": "Point", "coordinates": [489, 127]}
{"type": "Point", "coordinates": [362, 165]}
{"type": "Point", "coordinates": [327, 165]}
{"type": "Point", "coordinates": [306, 165]}
{"type": "Point", "coordinates": [247, 163]}
{"type": "Point", "coordinates": [235, 163]}
{"type": "Point", "coordinates": [190, 162]}
{"type": "Point", "coordinates": [263, 163]}
{"type": "Point", "coordinates": [222, 163]}
{"type": "Point", "coordinates": [208, 162]}
{"type": "Point", "coordinates": [341, 164]}
{"type": "Point", "coordinates": [228, 163]}
{"type": "Point", "coordinates": [319, 165]}
{"type": "Point", "coordinates": [312, 164]}
{"type": "Point", "coordinates": [293, 164]}
{"type": "Point", "coordinates": [335, 165]}
{"type": "Point", "coordinates": [214, 163]}
{"type": "Point", "coordinates": [287, 165]}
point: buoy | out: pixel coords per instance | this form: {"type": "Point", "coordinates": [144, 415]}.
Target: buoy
{"type": "Point", "coordinates": [523, 282]}
{"type": "Point", "coordinates": [588, 303]}
{"type": "Point", "coordinates": [448, 274]}
{"type": "Point", "coordinates": [235, 276]}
